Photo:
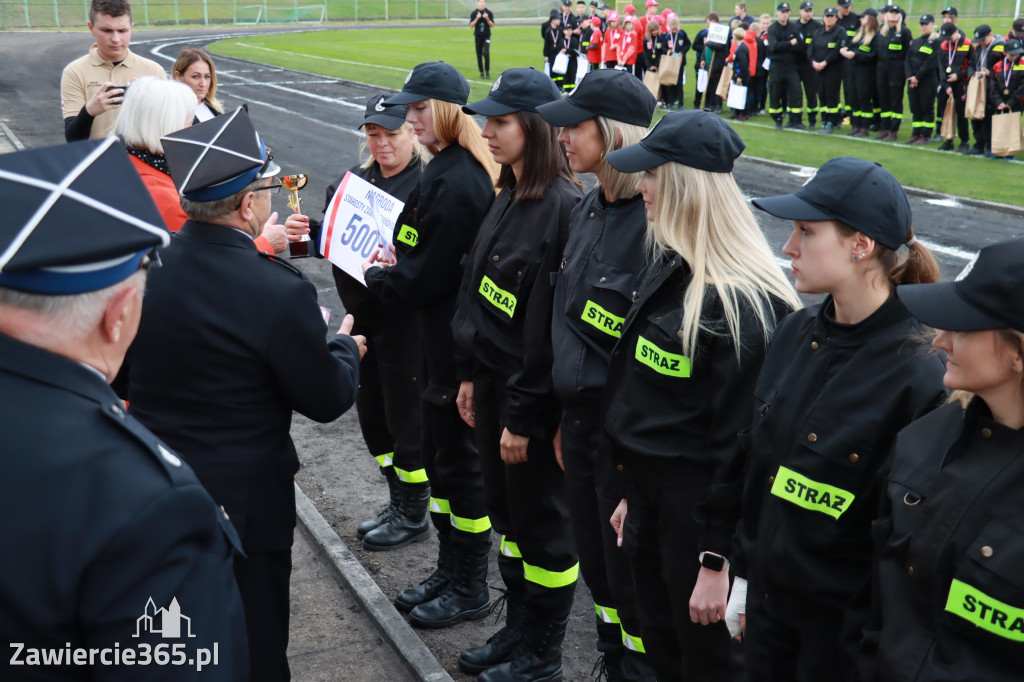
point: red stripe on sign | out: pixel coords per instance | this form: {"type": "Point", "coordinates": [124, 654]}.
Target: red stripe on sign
{"type": "Point", "coordinates": [334, 215]}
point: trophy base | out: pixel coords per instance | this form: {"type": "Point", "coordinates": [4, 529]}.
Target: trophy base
{"type": "Point", "coordinates": [300, 249]}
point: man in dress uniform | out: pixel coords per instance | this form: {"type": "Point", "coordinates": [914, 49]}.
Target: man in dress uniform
{"type": "Point", "coordinates": [109, 540]}
{"type": "Point", "coordinates": [232, 341]}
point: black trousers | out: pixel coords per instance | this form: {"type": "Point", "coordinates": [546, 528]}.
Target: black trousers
{"type": "Point", "coordinates": [711, 100]}
{"type": "Point", "coordinates": [263, 580]}
{"type": "Point", "coordinates": [569, 80]}
{"type": "Point", "coordinates": [830, 80]}
{"type": "Point", "coordinates": [809, 81]}
{"type": "Point", "coordinates": [593, 489]}
{"type": "Point", "coordinates": [983, 133]}
{"type": "Point", "coordinates": [865, 88]}
{"type": "Point", "coordinates": [922, 107]}
{"type": "Point", "coordinates": [784, 82]}
{"type": "Point", "coordinates": [661, 539]}
{"type": "Point", "coordinates": [483, 54]}
{"type": "Point", "coordinates": [891, 77]}
{"type": "Point", "coordinates": [527, 506]}
{"type": "Point", "coordinates": [959, 90]}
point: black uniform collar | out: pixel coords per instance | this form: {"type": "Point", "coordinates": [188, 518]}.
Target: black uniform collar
{"type": "Point", "coordinates": [892, 312]}
{"type": "Point", "coordinates": [215, 234]}
{"type": "Point", "coordinates": [42, 366]}
{"type": "Point", "coordinates": [618, 203]}
{"type": "Point", "coordinates": [375, 171]}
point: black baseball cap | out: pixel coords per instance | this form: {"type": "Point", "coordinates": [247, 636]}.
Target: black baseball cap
{"type": "Point", "coordinates": [1018, 25]}
{"type": "Point", "coordinates": [391, 118]}
{"type": "Point", "coordinates": [871, 12]}
{"type": "Point", "coordinates": [926, 19]}
{"type": "Point", "coordinates": [844, 3]}
{"type": "Point", "coordinates": [806, 5]}
{"type": "Point", "coordinates": [951, 10]}
{"type": "Point", "coordinates": [831, 12]}
{"type": "Point", "coordinates": [522, 89]}
{"type": "Point", "coordinates": [77, 218]}
{"type": "Point", "coordinates": [1013, 46]}
{"type": "Point", "coordinates": [948, 29]}
{"type": "Point", "coordinates": [432, 80]}
{"type": "Point", "coordinates": [783, 7]}
{"type": "Point", "coordinates": [555, 14]}
{"type": "Point", "coordinates": [982, 31]}
{"type": "Point", "coordinates": [985, 295]}
{"type": "Point", "coordinates": [698, 139]}
{"type": "Point", "coordinates": [611, 93]}
{"type": "Point", "coordinates": [856, 192]}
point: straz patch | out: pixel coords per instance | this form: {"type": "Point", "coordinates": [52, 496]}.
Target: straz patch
{"type": "Point", "coordinates": [989, 614]}
{"type": "Point", "coordinates": [803, 492]}
{"type": "Point", "coordinates": [661, 361]}
{"type": "Point", "coordinates": [595, 315]}
{"type": "Point", "coordinates": [408, 235]}
{"type": "Point", "coordinates": [498, 297]}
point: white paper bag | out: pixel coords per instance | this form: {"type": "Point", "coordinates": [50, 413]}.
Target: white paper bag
{"type": "Point", "coordinates": [561, 64]}
{"type": "Point", "coordinates": [702, 80]}
{"type": "Point", "coordinates": [767, 63]}
{"type": "Point", "coordinates": [582, 68]}
{"type": "Point", "coordinates": [737, 97]}
{"type": "Point", "coordinates": [547, 69]}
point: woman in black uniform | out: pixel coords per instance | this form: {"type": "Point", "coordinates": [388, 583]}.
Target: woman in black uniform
{"type": "Point", "coordinates": [950, 596]}
{"type": "Point", "coordinates": [680, 382]}
{"type": "Point", "coordinates": [519, 243]}
{"type": "Point", "coordinates": [840, 379]}
{"type": "Point", "coordinates": [433, 233]}
{"type": "Point", "coordinates": [893, 45]}
{"type": "Point", "coordinates": [922, 71]}
{"type": "Point", "coordinates": [863, 51]}
{"type": "Point", "coordinates": [599, 271]}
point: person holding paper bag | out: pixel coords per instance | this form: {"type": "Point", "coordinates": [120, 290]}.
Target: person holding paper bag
{"type": "Point", "coordinates": [744, 60]}
{"type": "Point", "coordinates": [438, 224]}
{"type": "Point", "coordinates": [954, 49]}
{"type": "Point", "coordinates": [674, 45]}
{"type": "Point", "coordinates": [1006, 90]}
{"type": "Point", "coordinates": [680, 384]}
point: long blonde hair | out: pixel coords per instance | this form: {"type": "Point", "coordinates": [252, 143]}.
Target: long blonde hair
{"type": "Point", "coordinates": [417, 148]}
{"type": "Point", "coordinates": [616, 135]}
{"type": "Point", "coordinates": [454, 126]}
{"type": "Point", "coordinates": [884, 30]}
{"type": "Point", "coordinates": [866, 31]}
{"type": "Point", "coordinates": [704, 218]}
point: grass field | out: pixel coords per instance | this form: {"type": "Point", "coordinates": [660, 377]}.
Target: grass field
{"type": "Point", "coordinates": [380, 57]}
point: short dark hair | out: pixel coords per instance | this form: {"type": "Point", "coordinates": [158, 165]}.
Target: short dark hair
{"type": "Point", "coordinates": [543, 159]}
{"type": "Point", "coordinates": [112, 8]}
{"type": "Point", "coordinates": [712, 16]}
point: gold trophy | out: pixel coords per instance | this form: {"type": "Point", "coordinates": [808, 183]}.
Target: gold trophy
{"type": "Point", "coordinates": [293, 183]}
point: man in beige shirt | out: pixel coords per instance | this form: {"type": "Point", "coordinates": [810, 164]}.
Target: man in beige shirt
{"type": "Point", "coordinates": [92, 87]}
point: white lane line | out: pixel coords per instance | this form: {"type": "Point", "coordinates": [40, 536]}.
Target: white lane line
{"type": "Point", "coordinates": [292, 112]}
{"type": "Point", "coordinates": [946, 203]}
{"type": "Point", "coordinates": [951, 251]}
{"type": "Point", "coordinates": [15, 142]}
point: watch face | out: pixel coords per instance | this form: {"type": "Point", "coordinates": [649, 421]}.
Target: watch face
{"type": "Point", "coordinates": [712, 562]}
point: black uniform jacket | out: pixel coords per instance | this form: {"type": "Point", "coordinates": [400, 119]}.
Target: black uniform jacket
{"type": "Point", "coordinates": [680, 416]}
{"type": "Point", "coordinates": [505, 299]}
{"type": "Point", "coordinates": [954, 59]}
{"type": "Point", "coordinates": [850, 24]}
{"type": "Point", "coordinates": [827, 407]}
{"type": "Point", "coordinates": [741, 64]}
{"type": "Point", "coordinates": [675, 43]}
{"type": "Point", "coordinates": [825, 46]}
{"type": "Point", "coordinates": [101, 517]}
{"type": "Point", "coordinates": [552, 41]}
{"type": "Point", "coordinates": [432, 236]}
{"type": "Point", "coordinates": [807, 32]}
{"type": "Point", "coordinates": [781, 49]}
{"type": "Point", "coordinates": [865, 54]}
{"type": "Point", "coordinates": [951, 588]}
{"type": "Point", "coordinates": [893, 47]}
{"type": "Point", "coordinates": [231, 342]}
{"type": "Point", "coordinates": [650, 53]}
{"type": "Point", "coordinates": [998, 85]}
{"type": "Point", "coordinates": [923, 60]}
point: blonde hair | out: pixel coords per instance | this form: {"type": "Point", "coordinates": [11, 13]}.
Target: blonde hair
{"type": "Point", "coordinates": [703, 217]}
{"type": "Point", "coordinates": [154, 107]}
{"type": "Point", "coordinates": [417, 148]}
{"type": "Point", "coordinates": [616, 135]}
{"type": "Point", "coordinates": [884, 30]}
{"type": "Point", "coordinates": [187, 58]}
{"type": "Point", "coordinates": [867, 31]}
{"type": "Point", "coordinates": [454, 126]}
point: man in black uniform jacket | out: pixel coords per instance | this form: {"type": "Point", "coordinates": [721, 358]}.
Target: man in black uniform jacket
{"type": "Point", "coordinates": [850, 22]}
{"type": "Point", "coordinates": [105, 525]}
{"type": "Point", "coordinates": [481, 21]}
{"type": "Point", "coordinates": [785, 44]}
{"type": "Point", "coordinates": [808, 26]}
{"type": "Point", "coordinates": [232, 341]}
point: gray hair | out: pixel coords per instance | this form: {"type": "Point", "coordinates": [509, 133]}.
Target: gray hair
{"type": "Point", "coordinates": [212, 211]}
{"type": "Point", "coordinates": [153, 108]}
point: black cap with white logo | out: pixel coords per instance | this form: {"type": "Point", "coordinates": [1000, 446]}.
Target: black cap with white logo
{"type": "Point", "coordinates": [806, 5]}
{"type": "Point", "coordinates": [926, 19]}
{"type": "Point", "coordinates": [611, 93]}
{"type": "Point", "coordinates": [516, 90]}
{"type": "Point", "coordinates": [783, 7]}
{"type": "Point", "coordinates": [391, 118]}
{"type": "Point", "coordinates": [432, 80]}
{"type": "Point", "coordinates": [698, 139]}
{"type": "Point", "coordinates": [831, 12]}
{"type": "Point", "coordinates": [951, 10]}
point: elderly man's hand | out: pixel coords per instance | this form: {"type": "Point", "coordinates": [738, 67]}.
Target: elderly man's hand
{"type": "Point", "coordinates": [275, 234]}
{"type": "Point", "coordinates": [346, 330]}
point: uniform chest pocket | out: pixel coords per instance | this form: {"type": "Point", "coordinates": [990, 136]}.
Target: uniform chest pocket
{"type": "Point", "coordinates": [657, 352]}
{"type": "Point", "coordinates": [850, 446]}
{"type": "Point", "coordinates": [500, 287]}
{"type": "Point", "coordinates": [986, 596]}
{"type": "Point", "coordinates": [599, 304]}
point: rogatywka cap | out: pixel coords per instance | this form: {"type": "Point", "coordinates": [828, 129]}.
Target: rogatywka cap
{"type": "Point", "coordinates": [516, 90]}
{"type": "Point", "coordinates": [698, 139]}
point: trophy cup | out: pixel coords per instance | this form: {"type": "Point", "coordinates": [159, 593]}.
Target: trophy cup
{"type": "Point", "coordinates": [293, 183]}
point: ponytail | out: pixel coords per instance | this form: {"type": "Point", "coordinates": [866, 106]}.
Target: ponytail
{"type": "Point", "coordinates": [919, 267]}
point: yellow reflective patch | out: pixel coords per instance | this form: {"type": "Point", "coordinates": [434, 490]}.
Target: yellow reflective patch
{"type": "Point", "coordinates": [661, 361]}
{"type": "Point", "coordinates": [864, 48]}
{"type": "Point", "coordinates": [509, 548]}
{"type": "Point", "coordinates": [498, 297]}
{"type": "Point", "coordinates": [551, 579]}
{"type": "Point", "coordinates": [440, 506]}
{"type": "Point", "coordinates": [803, 492]}
{"type": "Point", "coordinates": [408, 235]}
{"type": "Point", "coordinates": [607, 614]}
{"type": "Point", "coordinates": [632, 643]}
{"type": "Point", "coordinates": [415, 476]}
{"type": "Point", "coordinates": [987, 613]}
{"type": "Point", "coordinates": [831, 45]}
{"type": "Point", "coordinates": [895, 46]}
{"type": "Point", "coordinates": [598, 317]}
{"type": "Point", "coordinates": [468, 525]}
{"type": "Point", "coordinates": [926, 50]}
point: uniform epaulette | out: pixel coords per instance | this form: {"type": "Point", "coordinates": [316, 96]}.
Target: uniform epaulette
{"type": "Point", "coordinates": [274, 259]}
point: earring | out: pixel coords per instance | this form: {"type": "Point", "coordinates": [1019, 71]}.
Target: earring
{"type": "Point", "coordinates": [856, 257]}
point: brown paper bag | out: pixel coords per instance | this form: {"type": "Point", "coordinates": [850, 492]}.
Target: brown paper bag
{"type": "Point", "coordinates": [668, 68]}
{"type": "Point", "coordinates": [948, 130]}
{"type": "Point", "coordinates": [723, 82]}
{"type": "Point", "coordinates": [1007, 134]}
{"type": "Point", "coordinates": [651, 83]}
{"type": "Point", "coordinates": [975, 104]}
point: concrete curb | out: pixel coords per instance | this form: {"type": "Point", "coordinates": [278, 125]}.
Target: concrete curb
{"type": "Point", "coordinates": [916, 191]}
{"type": "Point", "coordinates": [407, 645]}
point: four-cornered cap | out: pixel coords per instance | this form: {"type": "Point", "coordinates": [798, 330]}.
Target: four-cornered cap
{"type": "Point", "coordinates": [948, 29]}
{"type": "Point", "coordinates": [698, 139]}
{"type": "Point", "coordinates": [951, 10]}
{"type": "Point", "coordinates": [1013, 46]}
{"type": "Point", "coordinates": [859, 193]}
{"type": "Point", "coordinates": [985, 295]}
{"type": "Point", "coordinates": [216, 158]}
{"type": "Point", "coordinates": [516, 90]}
{"type": "Point", "coordinates": [783, 7]}
{"type": "Point", "coordinates": [982, 31]}
{"type": "Point", "coordinates": [806, 5]}
{"type": "Point", "coordinates": [831, 12]}
{"type": "Point", "coordinates": [391, 118]}
{"type": "Point", "coordinates": [432, 80]}
{"type": "Point", "coordinates": [611, 93]}
{"type": "Point", "coordinates": [927, 19]}
{"type": "Point", "coordinates": [77, 218]}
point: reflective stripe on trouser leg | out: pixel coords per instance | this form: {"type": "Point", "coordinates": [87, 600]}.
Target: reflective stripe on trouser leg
{"type": "Point", "coordinates": [417, 476]}
{"type": "Point", "coordinates": [509, 548]}
{"type": "Point", "coordinates": [440, 506]}
{"type": "Point", "coordinates": [606, 614]}
{"type": "Point", "coordinates": [385, 460]}
{"type": "Point", "coordinates": [467, 525]}
{"type": "Point", "coordinates": [551, 579]}
{"type": "Point", "coordinates": [632, 643]}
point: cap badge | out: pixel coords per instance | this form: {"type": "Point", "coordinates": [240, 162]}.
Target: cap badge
{"type": "Point", "coordinates": [409, 77]}
{"type": "Point", "coordinates": [379, 106]}
{"type": "Point", "coordinates": [967, 269]}
{"type": "Point", "coordinates": [496, 84]}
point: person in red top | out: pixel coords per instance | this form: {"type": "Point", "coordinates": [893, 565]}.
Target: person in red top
{"type": "Point", "coordinates": [629, 45]}
{"type": "Point", "coordinates": [595, 48]}
{"type": "Point", "coordinates": [954, 51]}
{"type": "Point", "coordinates": [612, 37]}
{"type": "Point", "coordinates": [652, 11]}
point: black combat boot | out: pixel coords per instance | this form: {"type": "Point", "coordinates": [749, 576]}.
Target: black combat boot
{"type": "Point", "coordinates": [435, 583]}
{"type": "Point", "coordinates": [388, 511]}
{"type": "Point", "coordinates": [538, 658]}
{"type": "Point", "coordinates": [409, 525]}
{"type": "Point", "coordinates": [464, 598]}
{"type": "Point", "coordinates": [501, 644]}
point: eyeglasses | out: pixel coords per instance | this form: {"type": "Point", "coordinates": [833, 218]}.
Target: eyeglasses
{"type": "Point", "coordinates": [273, 189]}
{"type": "Point", "coordinates": [151, 261]}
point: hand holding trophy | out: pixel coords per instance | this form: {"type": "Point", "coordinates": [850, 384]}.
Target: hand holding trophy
{"type": "Point", "coordinates": [293, 183]}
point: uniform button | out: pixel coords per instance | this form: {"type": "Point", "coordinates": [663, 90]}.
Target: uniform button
{"type": "Point", "coordinates": [414, 379]}
{"type": "Point", "coordinates": [679, 333]}
{"type": "Point", "coordinates": [576, 422]}
{"type": "Point", "coordinates": [764, 410]}
{"type": "Point", "coordinates": [169, 456]}
{"type": "Point", "coordinates": [616, 353]}
{"type": "Point", "coordinates": [814, 345]}
{"type": "Point", "coordinates": [771, 480]}
{"type": "Point", "coordinates": [812, 438]}
{"type": "Point", "coordinates": [519, 273]}
{"type": "Point", "coordinates": [494, 258]}
{"type": "Point", "coordinates": [986, 552]}
{"type": "Point", "coordinates": [116, 411]}
{"type": "Point", "coordinates": [618, 467]}
{"type": "Point", "coordinates": [910, 571]}
{"type": "Point", "coordinates": [659, 317]}
{"type": "Point", "coordinates": [635, 297]}
{"type": "Point", "coordinates": [224, 513]}
{"type": "Point", "coordinates": [444, 397]}
{"type": "Point", "coordinates": [855, 458]}
{"type": "Point", "coordinates": [604, 279]}
{"type": "Point", "coordinates": [986, 433]}
{"type": "Point", "coordinates": [592, 215]}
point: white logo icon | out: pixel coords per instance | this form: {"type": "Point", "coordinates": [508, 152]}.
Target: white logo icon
{"type": "Point", "coordinates": [379, 106]}
{"type": "Point", "coordinates": [967, 269]}
{"type": "Point", "coordinates": [166, 622]}
{"type": "Point", "coordinates": [409, 77]}
{"type": "Point", "coordinates": [496, 84]}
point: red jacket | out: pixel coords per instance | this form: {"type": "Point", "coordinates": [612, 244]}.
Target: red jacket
{"type": "Point", "coordinates": [596, 47]}
{"type": "Point", "coordinates": [628, 47]}
{"type": "Point", "coordinates": [610, 46]}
